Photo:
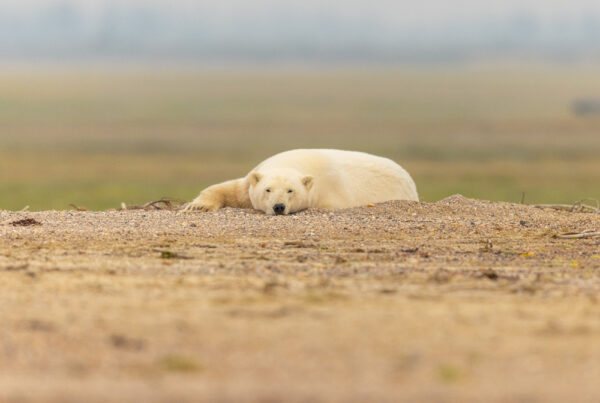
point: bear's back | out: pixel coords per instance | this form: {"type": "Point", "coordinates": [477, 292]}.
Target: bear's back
{"type": "Point", "coordinates": [346, 178]}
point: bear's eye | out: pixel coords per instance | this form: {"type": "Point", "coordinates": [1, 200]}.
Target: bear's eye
{"type": "Point", "coordinates": [268, 190]}
{"type": "Point", "coordinates": [290, 191]}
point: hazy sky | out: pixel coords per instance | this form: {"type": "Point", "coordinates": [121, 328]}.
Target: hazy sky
{"type": "Point", "coordinates": [323, 27]}
{"type": "Point", "coordinates": [400, 11]}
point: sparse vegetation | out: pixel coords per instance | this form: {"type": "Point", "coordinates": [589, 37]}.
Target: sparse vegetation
{"type": "Point", "coordinates": [100, 138]}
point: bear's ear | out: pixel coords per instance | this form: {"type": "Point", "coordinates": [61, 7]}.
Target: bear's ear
{"type": "Point", "coordinates": [307, 181]}
{"type": "Point", "coordinates": [255, 177]}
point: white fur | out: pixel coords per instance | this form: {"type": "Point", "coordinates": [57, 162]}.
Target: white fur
{"type": "Point", "coordinates": [321, 178]}
{"type": "Point", "coordinates": [340, 179]}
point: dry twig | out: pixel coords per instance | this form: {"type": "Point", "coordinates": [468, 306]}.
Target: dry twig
{"type": "Point", "coordinates": [163, 204]}
{"type": "Point", "coordinates": [577, 207]}
{"type": "Point", "coordinates": [590, 233]}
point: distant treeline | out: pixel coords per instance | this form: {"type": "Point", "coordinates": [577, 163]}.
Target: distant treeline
{"type": "Point", "coordinates": [68, 30]}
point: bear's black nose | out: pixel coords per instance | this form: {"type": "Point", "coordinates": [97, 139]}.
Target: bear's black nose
{"type": "Point", "coordinates": [279, 208]}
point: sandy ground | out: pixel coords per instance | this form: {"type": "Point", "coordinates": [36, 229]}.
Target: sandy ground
{"type": "Point", "coordinates": [449, 301]}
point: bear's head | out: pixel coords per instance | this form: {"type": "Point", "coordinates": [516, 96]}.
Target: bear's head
{"type": "Point", "coordinates": [278, 193]}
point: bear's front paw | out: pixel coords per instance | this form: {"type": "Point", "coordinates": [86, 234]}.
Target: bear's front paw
{"type": "Point", "coordinates": [200, 206]}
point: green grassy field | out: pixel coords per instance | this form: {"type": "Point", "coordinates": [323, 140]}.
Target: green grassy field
{"type": "Point", "coordinates": [97, 137]}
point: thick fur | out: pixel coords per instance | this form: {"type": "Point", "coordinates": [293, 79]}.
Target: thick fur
{"type": "Point", "coordinates": [320, 178]}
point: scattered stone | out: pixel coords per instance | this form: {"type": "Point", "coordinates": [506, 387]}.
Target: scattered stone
{"type": "Point", "coordinates": [25, 222]}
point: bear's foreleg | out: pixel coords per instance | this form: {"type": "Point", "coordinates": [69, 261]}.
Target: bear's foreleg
{"type": "Point", "coordinates": [233, 193]}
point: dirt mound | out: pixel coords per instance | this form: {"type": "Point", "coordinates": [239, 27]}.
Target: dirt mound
{"type": "Point", "coordinates": [402, 300]}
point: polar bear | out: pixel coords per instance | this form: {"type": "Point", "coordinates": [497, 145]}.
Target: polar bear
{"type": "Point", "coordinates": [322, 178]}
